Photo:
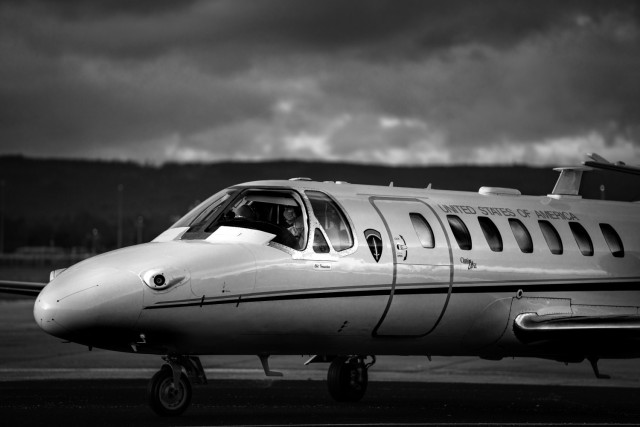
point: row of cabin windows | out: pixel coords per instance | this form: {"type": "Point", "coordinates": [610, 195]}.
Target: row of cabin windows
{"type": "Point", "coordinates": [520, 233]}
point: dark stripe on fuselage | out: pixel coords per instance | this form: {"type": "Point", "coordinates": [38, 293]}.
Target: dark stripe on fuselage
{"type": "Point", "coordinates": [474, 288]}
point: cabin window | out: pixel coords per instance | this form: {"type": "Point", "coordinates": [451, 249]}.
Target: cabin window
{"type": "Point", "coordinates": [332, 220]}
{"type": "Point", "coordinates": [522, 235]}
{"type": "Point", "coordinates": [582, 238]}
{"type": "Point", "coordinates": [423, 230]}
{"type": "Point", "coordinates": [551, 236]}
{"type": "Point", "coordinates": [460, 232]}
{"type": "Point", "coordinates": [613, 240]}
{"type": "Point", "coordinates": [320, 245]}
{"type": "Point", "coordinates": [491, 233]}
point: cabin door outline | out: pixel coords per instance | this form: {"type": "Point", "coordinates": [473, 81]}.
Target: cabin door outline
{"type": "Point", "coordinates": [428, 291]}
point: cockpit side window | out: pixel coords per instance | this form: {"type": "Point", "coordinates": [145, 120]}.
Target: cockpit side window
{"type": "Point", "coordinates": [332, 220]}
{"type": "Point", "coordinates": [277, 212]}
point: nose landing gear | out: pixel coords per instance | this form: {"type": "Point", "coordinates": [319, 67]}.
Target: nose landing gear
{"type": "Point", "coordinates": [168, 397]}
{"type": "Point", "coordinates": [347, 378]}
{"type": "Point", "coordinates": [169, 390]}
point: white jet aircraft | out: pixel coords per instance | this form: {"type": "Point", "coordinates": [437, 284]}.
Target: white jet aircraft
{"type": "Point", "coordinates": [345, 272]}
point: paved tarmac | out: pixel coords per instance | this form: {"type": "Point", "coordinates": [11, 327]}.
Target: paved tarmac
{"type": "Point", "coordinates": [44, 381]}
{"type": "Point", "coordinates": [281, 402]}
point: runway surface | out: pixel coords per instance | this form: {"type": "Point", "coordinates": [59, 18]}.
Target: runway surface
{"type": "Point", "coordinates": [44, 381]}
{"type": "Point", "coordinates": [264, 402]}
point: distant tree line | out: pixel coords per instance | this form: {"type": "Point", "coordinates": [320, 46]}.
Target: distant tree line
{"type": "Point", "coordinates": [76, 204]}
{"type": "Point", "coordinates": [84, 232]}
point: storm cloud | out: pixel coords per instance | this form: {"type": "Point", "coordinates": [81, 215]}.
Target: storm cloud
{"type": "Point", "coordinates": [400, 82]}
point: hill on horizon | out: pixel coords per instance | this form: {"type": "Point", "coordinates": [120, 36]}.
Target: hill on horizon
{"type": "Point", "coordinates": [52, 202]}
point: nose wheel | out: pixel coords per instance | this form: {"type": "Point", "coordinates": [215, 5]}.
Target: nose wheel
{"type": "Point", "coordinates": [166, 397]}
{"type": "Point", "coordinates": [169, 390]}
{"type": "Point", "coordinates": [347, 378]}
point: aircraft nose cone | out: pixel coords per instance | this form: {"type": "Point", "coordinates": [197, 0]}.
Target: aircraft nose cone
{"type": "Point", "coordinates": [88, 306]}
{"type": "Point", "coordinates": [44, 311]}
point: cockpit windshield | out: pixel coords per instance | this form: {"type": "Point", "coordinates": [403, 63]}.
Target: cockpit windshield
{"type": "Point", "coordinates": [278, 212]}
{"type": "Point", "coordinates": [205, 210]}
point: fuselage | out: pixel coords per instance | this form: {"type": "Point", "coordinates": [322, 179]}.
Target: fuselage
{"type": "Point", "coordinates": [364, 270]}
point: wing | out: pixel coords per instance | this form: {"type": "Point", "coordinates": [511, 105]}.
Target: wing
{"type": "Point", "coordinates": [31, 289]}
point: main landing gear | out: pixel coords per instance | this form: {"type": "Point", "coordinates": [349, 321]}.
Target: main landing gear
{"type": "Point", "coordinates": [347, 378]}
{"type": "Point", "coordinates": [169, 390]}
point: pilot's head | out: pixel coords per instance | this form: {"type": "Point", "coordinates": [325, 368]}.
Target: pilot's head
{"type": "Point", "coordinates": [289, 214]}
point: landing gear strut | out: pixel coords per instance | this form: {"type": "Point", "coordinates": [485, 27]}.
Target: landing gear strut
{"type": "Point", "coordinates": [347, 378]}
{"type": "Point", "coordinates": [169, 390]}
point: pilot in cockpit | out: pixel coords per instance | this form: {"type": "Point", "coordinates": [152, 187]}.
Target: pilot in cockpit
{"type": "Point", "coordinates": [295, 224]}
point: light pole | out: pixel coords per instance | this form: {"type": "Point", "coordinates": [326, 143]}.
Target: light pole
{"type": "Point", "coordinates": [95, 235]}
{"type": "Point", "coordinates": [2, 216]}
{"type": "Point", "coordinates": [119, 237]}
{"type": "Point", "coordinates": [139, 228]}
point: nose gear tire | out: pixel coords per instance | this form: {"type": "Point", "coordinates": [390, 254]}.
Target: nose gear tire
{"type": "Point", "coordinates": [165, 398]}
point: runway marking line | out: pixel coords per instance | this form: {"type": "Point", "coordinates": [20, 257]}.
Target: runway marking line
{"type": "Point", "coordinates": [439, 424]}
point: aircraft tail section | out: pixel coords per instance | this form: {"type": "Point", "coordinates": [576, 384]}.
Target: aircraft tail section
{"type": "Point", "coordinates": [600, 162]}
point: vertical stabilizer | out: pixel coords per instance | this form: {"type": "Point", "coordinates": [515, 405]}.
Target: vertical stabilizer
{"type": "Point", "coordinates": [569, 181]}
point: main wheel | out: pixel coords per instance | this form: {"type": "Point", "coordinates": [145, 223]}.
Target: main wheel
{"type": "Point", "coordinates": [165, 398]}
{"type": "Point", "coordinates": [347, 379]}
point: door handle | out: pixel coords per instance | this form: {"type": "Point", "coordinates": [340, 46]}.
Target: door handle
{"type": "Point", "coordinates": [401, 247]}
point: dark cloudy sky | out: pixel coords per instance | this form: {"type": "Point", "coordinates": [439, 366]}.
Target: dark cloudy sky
{"type": "Point", "coordinates": [396, 82]}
